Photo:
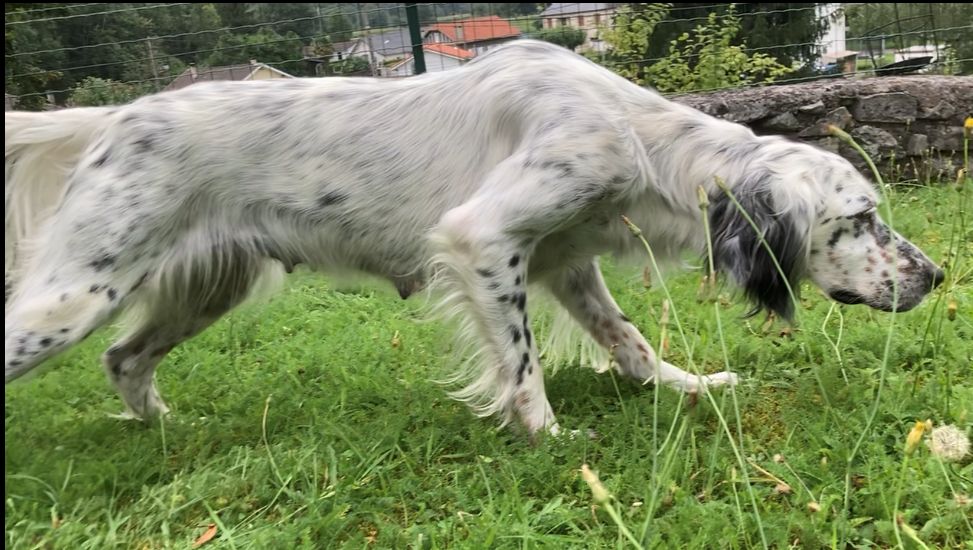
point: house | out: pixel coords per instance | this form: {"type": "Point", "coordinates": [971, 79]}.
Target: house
{"type": "Point", "coordinates": [380, 49]}
{"type": "Point", "coordinates": [832, 41]}
{"type": "Point", "coordinates": [591, 18]}
{"type": "Point", "coordinates": [438, 57]}
{"type": "Point", "coordinates": [248, 71]}
{"type": "Point", "coordinates": [477, 34]}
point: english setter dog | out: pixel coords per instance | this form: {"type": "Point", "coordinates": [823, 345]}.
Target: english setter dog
{"type": "Point", "coordinates": [516, 168]}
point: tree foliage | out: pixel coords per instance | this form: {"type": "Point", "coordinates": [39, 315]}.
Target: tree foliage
{"type": "Point", "coordinates": [94, 91]}
{"type": "Point", "coordinates": [566, 37]}
{"type": "Point", "coordinates": [706, 58]}
{"type": "Point", "coordinates": [709, 55]}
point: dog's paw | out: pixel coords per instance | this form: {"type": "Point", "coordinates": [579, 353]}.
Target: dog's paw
{"type": "Point", "coordinates": [124, 415]}
{"type": "Point", "coordinates": [724, 378]}
{"type": "Point", "coordinates": [692, 384]}
{"type": "Point", "coordinates": [557, 432]}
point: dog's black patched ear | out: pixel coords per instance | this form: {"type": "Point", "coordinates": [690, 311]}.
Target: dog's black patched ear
{"type": "Point", "coordinates": [740, 251]}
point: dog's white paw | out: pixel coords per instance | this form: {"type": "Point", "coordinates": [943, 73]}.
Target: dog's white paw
{"type": "Point", "coordinates": [724, 378]}
{"type": "Point", "coordinates": [699, 384]}
{"type": "Point", "coordinates": [556, 431]}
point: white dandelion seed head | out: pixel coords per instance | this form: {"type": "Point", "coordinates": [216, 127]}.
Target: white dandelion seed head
{"type": "Point", "coordinates": [949, 443]}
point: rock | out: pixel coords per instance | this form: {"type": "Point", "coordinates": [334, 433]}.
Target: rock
{"type": "Point", "coordinates": [886, 107]}
{"type": "Point", "coordinates": [784, 122]}
{"type": "Point", "coordinates": [875, 141]}
{"type": "Point", "coordinates": [944, 110]}
{"type": "Point", "coordinates": [917, 145]}
{"type": "Point", "coordinates": [840, 117]}
{"type": "Point", "coordinates": [815, 108]}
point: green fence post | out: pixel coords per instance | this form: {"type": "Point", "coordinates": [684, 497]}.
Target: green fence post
{"type": "Point", "coordinates": [412, 16]}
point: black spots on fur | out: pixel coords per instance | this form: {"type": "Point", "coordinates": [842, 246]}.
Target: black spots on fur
{"type": "Point", "coordinates": [112, 294]}
{"type": "Point", "coordinates": [493, 286]}
{"type": "Point", "coordinates": [116, 369]}
{"type": "Point", "coordinates": [527, 336]}
{"type": "Point", "coordinates": [64, 297]}
{"type": "Point", "coordinates": [14, 363]}
{"type": "Point", "coordinates": [524, 362]}
{"type": "Point", "coordinates": [839, 188]}
{"type": "Point", "coordinates": [514, 260]}
{"type": "Point", "coordinates": [564, 169]}
{"type": "Point", "coordinates": [836, 236]}
{"type": "Point", "coordinates": [103, 262]}
{"type": "Point", "coordinates": [826, 220]}
{"type": "Point", "coordinates": [46, 341]}
{"type": "Point", "coordinates": [64, 330]}
{"type": "Point", "coordinates": [102, 160]}
{"type": "Point", "coordinates": [331, 198]}
{"type": "Point", "coordinates": [517, 281]}
{"type": "Point", "coordinates": [94, 289]}
{"type": "Point", "coordinates": [144, 145]}
{"type": "Point", "coordinates": [515, 334]}
{"type": "Point", "coordinates": [521, 301]}
{"type": "Point", "coordinates": [485, 273]}
{"type": "Point", "coordinates": [503, 298]}
{"type": "Point", "coordinates": [139, 282]}
{"type": "Point", "coordinates": [883, 236]}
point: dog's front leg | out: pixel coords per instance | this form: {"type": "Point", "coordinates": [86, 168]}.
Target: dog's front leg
{"type": "Point", "coordinates": [582, 291]}
{"type": "Point", "coordinates": [489, 275]}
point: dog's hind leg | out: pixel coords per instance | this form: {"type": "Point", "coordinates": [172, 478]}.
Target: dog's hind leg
{"type": "Point", "coordinates": [582, 291]}
{"type": "Point", "coordinates": [60, 304]}
{"type": "Point", "coordinates": [172, 308]}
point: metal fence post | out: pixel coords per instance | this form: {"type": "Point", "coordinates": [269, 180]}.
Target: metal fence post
{"type": "Point", "coordinates": [412, 16]}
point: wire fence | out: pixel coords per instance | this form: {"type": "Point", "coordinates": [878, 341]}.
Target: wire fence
{"type": "Point", "coordinates": [88, 53]}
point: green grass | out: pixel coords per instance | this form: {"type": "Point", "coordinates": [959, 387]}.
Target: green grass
{"type": "Point", "coordinates": [357, 445]}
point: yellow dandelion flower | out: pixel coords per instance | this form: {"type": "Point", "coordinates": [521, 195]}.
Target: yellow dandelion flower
{"type": "Point", "coordinates": [968, 127]}
{"type": "Point", "coordinates": [915, 435]}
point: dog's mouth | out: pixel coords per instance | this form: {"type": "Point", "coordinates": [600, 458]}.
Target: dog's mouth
{"type": "Point", "coordinates": [846, 297]}
{"type": "Point", "coordinates": [853, 298]}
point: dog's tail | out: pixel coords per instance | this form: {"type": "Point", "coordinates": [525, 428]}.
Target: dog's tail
{"type": "Point", "coordinates": [40, 152]}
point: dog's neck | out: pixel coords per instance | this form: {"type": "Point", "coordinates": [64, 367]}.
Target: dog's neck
{"type": "Point", "coordinates": [691, 149]}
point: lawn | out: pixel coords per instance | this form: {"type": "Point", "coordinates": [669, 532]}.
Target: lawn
{"type": "Point", "coordinates": [314, 421]}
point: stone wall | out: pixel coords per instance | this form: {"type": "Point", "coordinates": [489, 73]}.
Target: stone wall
{"type": "Point", "coordinates": [912, 126]}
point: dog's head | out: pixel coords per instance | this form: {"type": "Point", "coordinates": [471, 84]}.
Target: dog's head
{"type": "Point", "coordinates": [822, 224]}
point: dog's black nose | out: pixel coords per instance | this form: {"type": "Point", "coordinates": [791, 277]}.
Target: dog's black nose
{"type": "Point", "coordinates": [938, 277]}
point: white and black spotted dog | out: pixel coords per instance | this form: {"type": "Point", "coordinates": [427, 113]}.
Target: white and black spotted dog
{"type": "Point", "coordinates": [514, 169]}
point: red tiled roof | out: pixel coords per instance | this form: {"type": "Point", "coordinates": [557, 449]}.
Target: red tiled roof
{"type": "Point", "coordinates": [476, 29]}
{"type": "Point", "coordinates": [446, 49]}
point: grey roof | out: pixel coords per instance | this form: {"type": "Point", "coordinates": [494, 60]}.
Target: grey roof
{"type": "Point", "coordinates": [391, 42]}
{"type": "Point", "coordinates": [570, 9]}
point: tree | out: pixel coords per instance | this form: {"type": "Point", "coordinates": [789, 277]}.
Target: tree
{"type": "Point", "coordinates": [707, 59]}
{"type": "Point", "coordinates": [31, 75]}
{"type": "Point", "coordinates": [567, 37]}
{"type": "Point", "coordinates": [94, 92]}
{"type": "Point", "coordinates": [264, 45]}
{"type": "Point", "coordinates": [338, 29]}
{"type": "Point", "coordinates": [629, 38]}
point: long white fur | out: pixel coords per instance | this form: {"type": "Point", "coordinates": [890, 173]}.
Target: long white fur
{"type": "Point", "coordinates": [181, 201]}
